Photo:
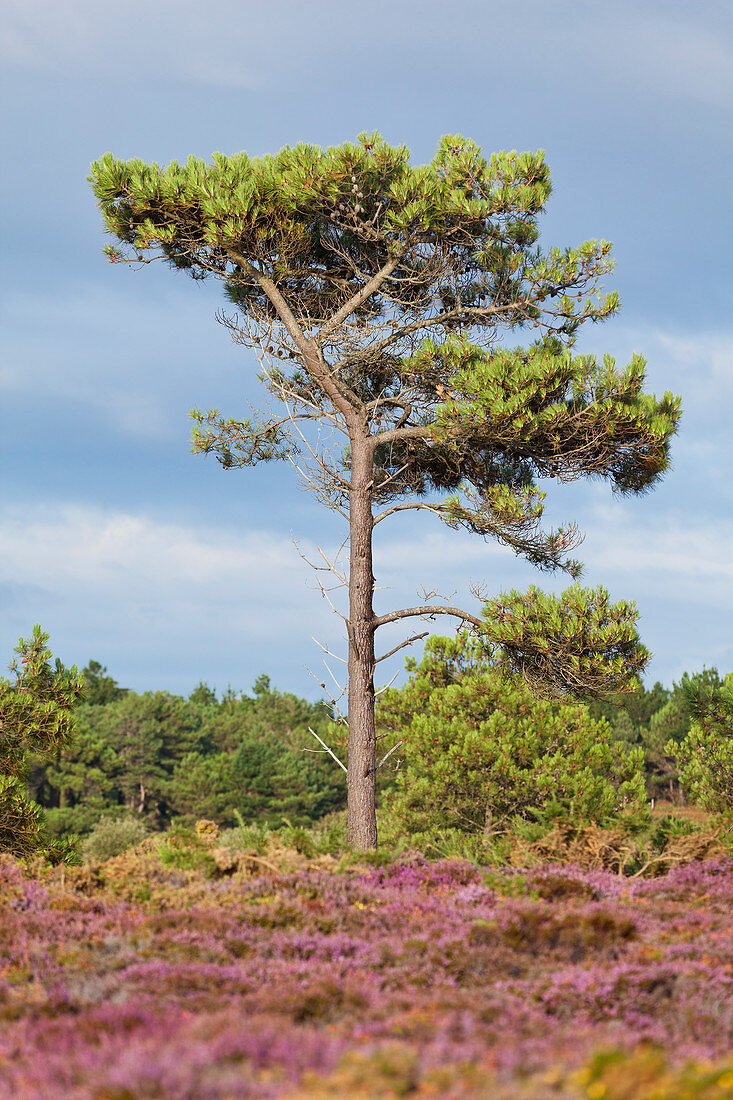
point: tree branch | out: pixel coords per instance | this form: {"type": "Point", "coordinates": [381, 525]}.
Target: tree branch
{"type": "Point", "coordinates": [428, 610]}
{"type": "Point", "coordinates": [359, 298]}
{"type": "Point", "coordinates": [387, 755]}
{"type": "Point", "coordinates": [326, 749]}
{"type": "Point", "coordinates": [409, 431]}
{"type": "Point", "coordinates": [479, 314]}
{"type": "Point", "coordinates": [284, 311]}
{"type": "Point", "coordinates": [344, 399]}
{"type": "Point", "coordinates": [408, 641]}
{"type": "Point", "coordinates": [435, 508]}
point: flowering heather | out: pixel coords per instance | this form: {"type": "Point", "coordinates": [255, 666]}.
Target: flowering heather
{"type": "Point", "coordinates": [421, 979]}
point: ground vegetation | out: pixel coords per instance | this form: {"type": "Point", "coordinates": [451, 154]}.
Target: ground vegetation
{"type": "Point", "coordinates": [380, 979]}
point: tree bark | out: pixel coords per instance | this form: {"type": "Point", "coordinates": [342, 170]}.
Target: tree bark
{"type": "Point", "coordinates": [361, 774]}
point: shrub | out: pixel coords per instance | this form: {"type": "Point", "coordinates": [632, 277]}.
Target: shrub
{"type": "Point", "coordinates": [329, 833]}
{"type": "Point", "coordinates": [184, 850]}
{"type": "Point", "coordinates": [35, 718]}
{"type": "Point", "coordinates": [112, 836]}
{"type": "Point", "coordinates": [480, 751]}
{"type": "Point", "coordinates": [253, 837]}
{"type": "Point", "coordinates": [705, 756]}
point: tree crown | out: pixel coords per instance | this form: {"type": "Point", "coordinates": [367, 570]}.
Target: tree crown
{"type": "Point", "coordinates": [379, 297]}
{"type": "Point", "coordinates": [397, 278]}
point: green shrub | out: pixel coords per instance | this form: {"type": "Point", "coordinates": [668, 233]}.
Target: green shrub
{"type": "Point", "coordinates": [705, 756]}
{"type": "Point", "coordinates": [247, 838]}
{"type": "Point", "coordinates": [112, 836]}
{"type": "Point", "coordinates": [329, 834]}
{"type": "Point", "coordinates": [183, 850]}
{"type": "Point", "coordinates": [36, 718]}
{"type": "Point", "coordinates": [480, 751]}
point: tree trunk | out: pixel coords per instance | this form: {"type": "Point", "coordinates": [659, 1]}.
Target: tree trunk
{"type": "Point", "coordinates": [361, 776]}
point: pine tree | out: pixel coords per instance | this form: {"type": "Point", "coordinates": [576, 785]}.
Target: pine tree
{"type": "Point", "coordinates": [36, 716]}
{"type": "Point", "coordinates": [480, 751]}
{"type": "Point", "coordinates": [99, 688]}
{"type": "Point", "coordinates": [705, 755]}
{"type": "Point", "coordinates": [375, 295]}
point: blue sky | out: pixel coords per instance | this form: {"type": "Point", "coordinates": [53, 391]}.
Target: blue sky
{"type": "Point", "coordinates": [129, 549]}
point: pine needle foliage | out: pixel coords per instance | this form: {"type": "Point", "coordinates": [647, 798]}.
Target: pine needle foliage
{"type": "Point", "coordinates": [576, 645]}
{"type": "Point", "coordinates": [380, 298]}
{"type": "Point", "coordinates": [36, 716]}
{"type": "Point", "coordinates": [480, 752]}
{"type": "Point", "coordinates": [705, 756]}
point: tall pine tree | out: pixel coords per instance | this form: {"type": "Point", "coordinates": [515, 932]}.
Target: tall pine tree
{"type": "Point", "coordinates": [376, 295]}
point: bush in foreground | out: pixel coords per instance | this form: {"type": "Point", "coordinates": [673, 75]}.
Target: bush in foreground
{"type": "Point", "coordinates": [480, 751]}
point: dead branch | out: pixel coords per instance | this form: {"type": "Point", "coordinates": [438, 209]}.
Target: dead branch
{"type": "Point", "coordinates": [338, 685]}
{"type": "Point", "coordinates": [388, 754]}
{"type": "Point", "coordinates": [436, 509]}
{"type": "Point", "coordinates": [328, 651]}
{"type": "Point", "coordinates": [325, 749]}
{"type": "Point", "coordinates": [321, 587]}
{"type": "Point", "coordinates": [408, 641]}
{"type": "Point", "coordinates": [386, 686]}
{"type": "Point", "coordinates": [334, 702]}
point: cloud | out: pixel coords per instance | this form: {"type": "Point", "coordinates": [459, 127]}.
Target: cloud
{"type": "Point", "coordinates": [136, 559]}
{"type": "Point", "coordinates": [168, 603]}
{"type": "Point", "coordinates": [695, 363]}
{"type": "Point", "coordinates": [164, 598]}
{"type": "Point", "coordinates": [663, 551]}
{"type": "Point", "coordinates": [705, 358]}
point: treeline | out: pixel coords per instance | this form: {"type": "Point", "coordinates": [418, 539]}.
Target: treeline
{"type": "Point", "coordinates": [161, 757]}
{"type": "Point", "coordinates": [652, 718]}
{"type": "Point", "coordinates": [472, 749]}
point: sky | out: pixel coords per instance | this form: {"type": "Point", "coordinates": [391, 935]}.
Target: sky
{"type": "Point", "coordinates": [167, 569]}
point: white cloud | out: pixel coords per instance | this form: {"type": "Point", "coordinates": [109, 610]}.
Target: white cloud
{"type": "Point", "coordinates": [175, 595]}
{"type": "Point", "coordinates": [697, 365]}
{"type": "Point", "coordinates": [136, 560]}
{"type": "Point", "coordinates": [170, 603]}
{"type": "Point", "coordinates": [662, 554]}
{"type": "Point", "coordinates": [174, 602]}
{"type": "Point", "coordinates": [706, 359]}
